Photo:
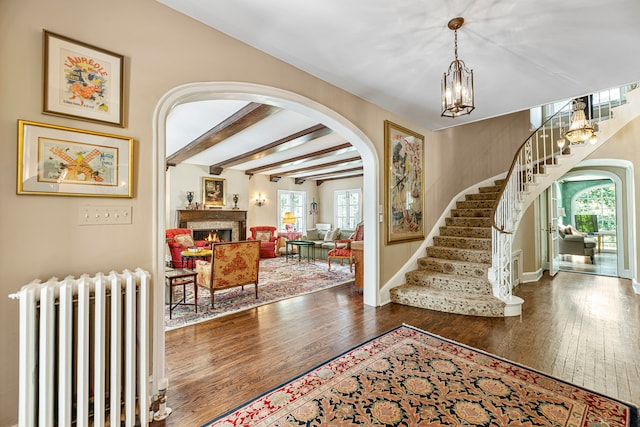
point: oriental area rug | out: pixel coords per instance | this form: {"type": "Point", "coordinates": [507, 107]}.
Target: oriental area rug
{"type": "Point", "coordinates": [408, 377]}
{"type": "Point", "coordinates": [278, 279]}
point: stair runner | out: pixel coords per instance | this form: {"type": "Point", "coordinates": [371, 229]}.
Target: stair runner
{"type": "Point", "coordinates": [453, 276]}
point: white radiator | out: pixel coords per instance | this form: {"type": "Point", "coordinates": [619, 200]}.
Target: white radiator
{"type": "Point", "coordinates": [84, 351]}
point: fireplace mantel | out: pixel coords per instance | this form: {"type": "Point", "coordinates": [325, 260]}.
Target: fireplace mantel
{"type": "Point", "coordinates": [186, 216]}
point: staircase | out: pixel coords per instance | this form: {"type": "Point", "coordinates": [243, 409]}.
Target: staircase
{"type": "Point", "coordinates": [453, 275]}
{"type": "Point", "coordinates": [468, 268]}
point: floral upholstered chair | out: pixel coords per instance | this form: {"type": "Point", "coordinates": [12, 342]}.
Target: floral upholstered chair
{"type": "Point", "coordinates": [178, 240]}
{"type": "Point", "coordinates": [232, 264]}
{"type": "Point", "coordinates": [267, 235]}
{"type": "Point", "coordinates": [342, 248]}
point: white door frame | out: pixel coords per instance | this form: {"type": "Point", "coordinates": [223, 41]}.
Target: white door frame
{"type": "Point", "coordinates": [267, 95]}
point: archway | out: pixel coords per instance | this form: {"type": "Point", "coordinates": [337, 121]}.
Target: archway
{"type": "Point", "coordinates": [273, 96]}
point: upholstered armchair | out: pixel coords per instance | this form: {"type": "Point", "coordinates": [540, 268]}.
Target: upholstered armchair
{"type": "Point", "coordinates": [178, 240]}
{"type": "Point", "coordinates": [267, 235]}
{"type": "Point", "coordinates": [232, 264]}
{"type": "Point", "coordinates": [342, 248]}
{"type": "Point", "coordinates": [572, 242]}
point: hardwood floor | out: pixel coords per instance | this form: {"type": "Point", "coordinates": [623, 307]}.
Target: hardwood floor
{"type": "Point", "coordinates": [580, 328]}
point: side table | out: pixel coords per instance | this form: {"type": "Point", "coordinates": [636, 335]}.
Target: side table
{"type": "Point", "coordinates": [180, 277]}
{"type": "Point", "coordinates": [311, 249]}
{"type": "Point", "coordinates": [188, 257]}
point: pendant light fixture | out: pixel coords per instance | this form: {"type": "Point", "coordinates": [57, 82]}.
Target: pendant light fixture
{"type": "Point", "coordinates": [457, 83]}
{"type": "Point", "coordinates": [580, 130]}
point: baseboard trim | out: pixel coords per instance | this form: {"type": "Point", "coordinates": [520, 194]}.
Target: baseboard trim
{"type": "Point", "coordinates": [532, 276]}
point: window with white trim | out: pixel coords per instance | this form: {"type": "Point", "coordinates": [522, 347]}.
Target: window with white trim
{"type": "Point", "coordinates": [347, 208]}
{"type": "Point", "coordinates": [294, 202]}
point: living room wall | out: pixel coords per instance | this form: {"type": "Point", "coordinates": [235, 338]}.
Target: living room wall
{"type": "Point", "coordinates": [325, 197]}
{"type": "Point", "coordinates": [187, 177]}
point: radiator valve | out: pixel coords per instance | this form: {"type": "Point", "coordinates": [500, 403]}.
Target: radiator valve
{"type": "Point", "coordinates": [161, 400]}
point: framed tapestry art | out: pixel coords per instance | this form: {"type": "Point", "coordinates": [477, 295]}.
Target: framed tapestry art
{"type": "Point", "coordinates": [403, 180]}
{"type": "Point", "coordinates": [213, 192]}
{"type": "Point", "coordinates": [82, 81]}
{"type": "Point", "coordinates": [61, 161]}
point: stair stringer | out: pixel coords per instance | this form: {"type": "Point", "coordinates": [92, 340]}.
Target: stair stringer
{"type": "Point", "coordinates": [412, 264]}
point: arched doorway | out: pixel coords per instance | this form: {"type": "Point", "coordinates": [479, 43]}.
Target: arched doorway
{"type": "Point", "coordinates": [267, 95]}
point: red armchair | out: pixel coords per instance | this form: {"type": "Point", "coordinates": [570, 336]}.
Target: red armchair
{"type": "Point", "coordinates": [342, 248]}
{"type": "Point", "coordinates": [178, 240]}
{"type": "Point", "coordinates": [267, 236]}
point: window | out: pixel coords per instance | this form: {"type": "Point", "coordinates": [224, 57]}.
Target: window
{"type": "Point", "coordinates": [347, 208]}
{"type": "Point", "coordinates": [295, 202]}
{"type": "Point", "coordinates": [601, 201]}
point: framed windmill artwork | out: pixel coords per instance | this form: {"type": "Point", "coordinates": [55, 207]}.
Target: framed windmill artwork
{"type": "Point", "coordinates": [61, 161]}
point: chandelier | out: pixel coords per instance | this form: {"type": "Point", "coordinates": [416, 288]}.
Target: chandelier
{"type": "Point", "coordinates": [457, 83]}
{"type": "Point", "coordinates": [580, 130]}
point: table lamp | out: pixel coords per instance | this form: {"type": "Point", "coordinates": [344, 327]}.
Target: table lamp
{"type": "Point", "coordinates": [289, 219]}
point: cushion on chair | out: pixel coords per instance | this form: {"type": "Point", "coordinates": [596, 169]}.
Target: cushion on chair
{"type": "Point", "coordinates": [339, 252]}
{"type": "Point", "coordinates": [185, 240]}
{"type": "Point", "coordinates": [263, 236]}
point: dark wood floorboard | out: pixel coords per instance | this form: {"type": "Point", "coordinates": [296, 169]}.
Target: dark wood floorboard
{"type": "Point", "coordinates": [578, 327]}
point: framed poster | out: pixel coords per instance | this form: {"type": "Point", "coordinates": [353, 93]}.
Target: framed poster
{"type": "Point", "coordinates": [403, 180]}
{"type": "Point", "coordinates": [82, 81]}
{"type": "Point", "coordinates": [60, 161]}
{"type": "Point", "coordinates": [213, 192]}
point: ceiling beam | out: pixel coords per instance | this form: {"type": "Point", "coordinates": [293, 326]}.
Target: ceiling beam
{"type": "Point", "coordinates": [316, 167]}
{"type": "Point", "coordinates": [331, 174]}
{"type": "Point", "coordinates": [316, 155]}
{"type": "Point", "coordinates": [320, 181]}
{"type": "Point", "coordinates": [292, 140]}
{"type": "Point", "coordinates": [247, 116]}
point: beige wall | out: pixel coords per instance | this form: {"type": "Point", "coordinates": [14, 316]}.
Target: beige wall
{"type": "Point", "coordinates": [325, 197]}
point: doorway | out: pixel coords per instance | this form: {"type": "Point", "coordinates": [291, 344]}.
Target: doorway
{"type": "Point", "coordinates": [280, 98]}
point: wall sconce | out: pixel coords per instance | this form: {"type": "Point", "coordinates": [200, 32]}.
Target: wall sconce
{"type": "Point", "coordinates": [260, 200]}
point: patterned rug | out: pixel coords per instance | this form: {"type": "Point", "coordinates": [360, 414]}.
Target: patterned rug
{"type": "Point", "coordinates": [278, 279]}
{"type": "Point", "coordinates": [408, 377]}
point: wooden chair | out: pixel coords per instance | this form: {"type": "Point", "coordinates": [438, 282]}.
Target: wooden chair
{"type": "Point", "coordinates": [232, 264]}
{"type": "Point", "coordinates": [342, 248]}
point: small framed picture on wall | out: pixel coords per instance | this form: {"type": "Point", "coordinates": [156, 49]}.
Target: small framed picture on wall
{"type": "Point", "coordinates": [213, 192]}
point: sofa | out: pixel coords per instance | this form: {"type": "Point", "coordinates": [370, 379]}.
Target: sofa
{"type": "Point", "coordinates": [573, 242]}
{"type": "Point", "coordinates": [324, 239]}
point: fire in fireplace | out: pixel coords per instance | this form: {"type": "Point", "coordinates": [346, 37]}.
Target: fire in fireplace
{"type": "Point", "coordinates": [217, 235]}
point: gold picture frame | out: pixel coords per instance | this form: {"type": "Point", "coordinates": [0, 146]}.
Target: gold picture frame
{"type": "Point", "coordinates": [404, 183]}
{"type": "Point", "coordinates": [82, 81]}
{"type": "Point", "coordinates": [214, 192]}
{"type": "Point", "coordinates": [61, 161]}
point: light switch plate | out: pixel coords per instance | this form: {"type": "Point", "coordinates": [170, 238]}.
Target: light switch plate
{"type": "Point", "coordinates": [104, 215]}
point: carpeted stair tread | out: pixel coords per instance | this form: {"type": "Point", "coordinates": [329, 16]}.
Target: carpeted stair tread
{"type": "Point", "coordinates": [450, 282]}
{"type": "Point", "coordinates": [470, 255]}
{"type": "Point", "coordinates": [442, 300]}
{"type": "Point", "coordinates": [471, 213]}
{"type": "Point", "coordinates": [490, 189]}
{"type": "Point", "coordinates": [482, 196]}
{"type": "Point", "coordinates": [477, 232]}
{"type": "Point", "coordinates": [454, 267]}
{"type": "Point", "coordinates": [468, 222]}
{"type": "Point", "coordinates": [475, 204]}
{"type": "Point", "coordinates": [478, 243]}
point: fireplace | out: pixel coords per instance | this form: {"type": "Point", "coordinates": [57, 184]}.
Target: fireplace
{"type": "Point", "coordinates": [202, 222]}
{"type": "Point", "coordinates": [215, 235]}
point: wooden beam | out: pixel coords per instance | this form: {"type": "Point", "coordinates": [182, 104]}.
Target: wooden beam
{"type": "Point", "coordinates": [310, 156]}
{"type": "Point", "coordinates": [330, 174]}
{"type": "Point", "coordinates": [295, 139]}
{"type": "Point", "coordinates": [320, 181]}
{"type": "Point", "coordinates": [245, 117]}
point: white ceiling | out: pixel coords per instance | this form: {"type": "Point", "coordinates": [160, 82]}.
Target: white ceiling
{"type": "Point", "coordinates": [523, 53]}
